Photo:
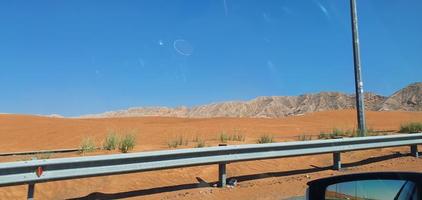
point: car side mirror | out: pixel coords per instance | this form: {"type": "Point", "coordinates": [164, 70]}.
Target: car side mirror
{"type": "Point", "coordinates": [380, 185]}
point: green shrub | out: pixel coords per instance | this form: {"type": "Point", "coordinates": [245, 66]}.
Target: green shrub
{"type": "Point", "coordinates": [372, 132]}
{"type": "Point", "coordinates": [238, 137]}
{"type": "Point", "coordinates": [337, 133]}
{"type": "Point", "coordinates": [172, 144]}
{"type": "Point", "coordinates": [304, 137]}
{"type": "Point", "coordinates": [412, 127]}
{"type": "Point", "coordinates": [127, 143]}
{"type": "Point", "coordinates": [323, 135]}
{"type": "Point", "coordinates": [367, 132]}
{"type": "Point", "coordinates": [265, 139]}
{"type": "Point", "coordinates": [178, 141]}
{"type": "Point", "coordinates": [224, 137]}
{"type": "Point", "coordinates": [200, 144]}
{"type": "Point", "coordinates": [111, 142]}
{"type": "Point", "coordinates": [87, 145]}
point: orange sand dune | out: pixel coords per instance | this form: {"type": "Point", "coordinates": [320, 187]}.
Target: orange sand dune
{"type": "Point", "coordinates": [267, 179]}
{"type": "Point", "coordinates": [21, 133]}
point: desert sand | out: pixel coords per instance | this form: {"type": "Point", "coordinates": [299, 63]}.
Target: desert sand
{"type": "Point", "coordinates": [265, 179]}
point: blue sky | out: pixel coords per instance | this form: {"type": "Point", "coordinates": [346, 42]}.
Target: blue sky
{"type": "Point", "coordinates": [78, 57]}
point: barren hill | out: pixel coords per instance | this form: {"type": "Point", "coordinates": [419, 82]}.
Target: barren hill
{"type": "Point", "coordinates": [406, 99]}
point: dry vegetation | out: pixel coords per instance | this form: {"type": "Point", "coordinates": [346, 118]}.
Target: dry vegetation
{"type": "Point", "coordinates": [412, 127]}
{"type": "Point", "coordinates": [265, 139]}
{"type": "Point", "coordinates": [178, 141]}
{"type": "Point", "coordinates": [339, 133]}
{"type": "Point", "coordinates": [124, 142]}
{"type": "Point", "coordinates": [87, 145]}
{"type": "Point", "coordinates": [225, 137]}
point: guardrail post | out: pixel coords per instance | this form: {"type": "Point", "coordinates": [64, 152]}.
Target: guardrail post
{"type": "Point", "coordinates": [222, 175]}
{"type": "Point", "coordinates": [31, 190]}
{"type": "Point", "coordinates": [336, 161]}
{"type": "Point", "coordinates": [414, 151]}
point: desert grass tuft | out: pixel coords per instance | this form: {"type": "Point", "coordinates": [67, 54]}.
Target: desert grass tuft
{"type": "Point", "coordinates": [127, 143]}
{"type": "Point", "coordinates": [411, 127]}
{"type": "Point", "coordinates": [111, 142]}
{"type": "Point", "coordinates": [87, 145]}
{"type": "Point", "coordinates": [339, 133]}
{"type": "Point", "coordinates": [178, 141]}
{"type": "Point", "coordinates": [200, 144]}
{"type": "Point", "coordinates": [224, 137]}
{"type": "Point", "coordinates": [265, 139]}
{"type": "Point", "coordinates": [304, 137]}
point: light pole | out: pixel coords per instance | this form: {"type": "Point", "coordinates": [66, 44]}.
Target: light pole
{"type": "Point", "coordinates": [360, 103]}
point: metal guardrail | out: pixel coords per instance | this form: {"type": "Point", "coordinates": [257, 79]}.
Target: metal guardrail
{"type": "Point", "coordinates": [38, 171]}
{"type": "Point", "coordinates": [39, 152]}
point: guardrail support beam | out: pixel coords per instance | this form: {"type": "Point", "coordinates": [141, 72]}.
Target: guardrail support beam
{"type": "Point", "coordinates": [336, 161]}
{"type": "Point", "coordinates": [31, 190]}
{"type": "Point", "coordinates": [414, 151]}
{"type": "Point", "coordinates": [222, 175]}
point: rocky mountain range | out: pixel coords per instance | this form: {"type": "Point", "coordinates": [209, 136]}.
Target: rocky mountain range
{"type": "Point", "coordinates": [406, 99]}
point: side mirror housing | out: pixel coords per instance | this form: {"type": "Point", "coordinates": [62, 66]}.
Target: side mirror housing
{"type": "Point", "coordinates": [379, 185]}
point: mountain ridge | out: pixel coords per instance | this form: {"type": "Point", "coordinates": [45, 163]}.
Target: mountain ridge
{"type": "Point", "coordinates": [408, 98]}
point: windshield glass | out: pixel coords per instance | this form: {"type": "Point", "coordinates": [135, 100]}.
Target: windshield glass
{"type": "Point", "coordinates": [94, 78]}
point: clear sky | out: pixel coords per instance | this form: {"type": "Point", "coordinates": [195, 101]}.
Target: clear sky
{"type": "Point", "coordinates": [77, 57]}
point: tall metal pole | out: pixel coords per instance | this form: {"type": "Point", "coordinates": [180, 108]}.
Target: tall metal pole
{"type": "Point", "coordinates": [360, 103]}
